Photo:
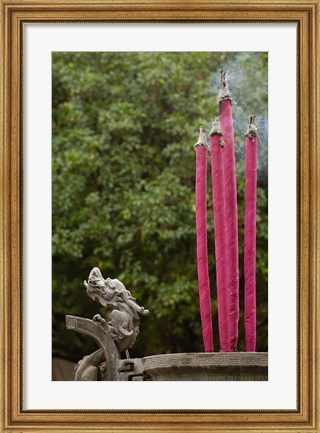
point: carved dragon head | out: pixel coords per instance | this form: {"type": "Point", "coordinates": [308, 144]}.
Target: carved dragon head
{"type": "Point", "coordinates": [99, 289]}
{"type": "Point", "coordinates": [112, 293]}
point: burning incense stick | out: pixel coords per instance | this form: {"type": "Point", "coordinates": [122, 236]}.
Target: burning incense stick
{"type": "Point", "coordinates": [202, 244]}
{"type": "Point", "coordinates": [231, 209]}
{"type": "Point", "coordinates": [250, 236]}
{"type": "Point", "coordinates": [216, 147]}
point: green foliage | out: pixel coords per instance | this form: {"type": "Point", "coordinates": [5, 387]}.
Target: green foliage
{"type": "Point", "coordinates": [124, 125]}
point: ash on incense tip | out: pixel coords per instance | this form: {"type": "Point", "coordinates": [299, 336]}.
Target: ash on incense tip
{"type": "Point", "coordinates": [202, 140]}
{"type": "Point", "coordinates": [216, 130]}
{"type": "Point", "coordinates": [224, 92]}
{"type": "Point", "coordinates": [252, 131]}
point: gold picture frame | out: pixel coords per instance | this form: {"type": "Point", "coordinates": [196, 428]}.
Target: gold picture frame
{"type": "Point", "coordinates": [13, 417]}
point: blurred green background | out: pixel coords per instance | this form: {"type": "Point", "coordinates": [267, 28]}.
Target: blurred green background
{"type": "Point", "coordinates": [123, 174]}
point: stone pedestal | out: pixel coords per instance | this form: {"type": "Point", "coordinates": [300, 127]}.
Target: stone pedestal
{"type": "Point", "coordinates": [235, 366]}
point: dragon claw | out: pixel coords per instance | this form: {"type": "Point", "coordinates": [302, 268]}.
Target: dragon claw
{"type": "Point", "coordinates": [144, 312]}
{"type": "Point", "coordinates": [97, 318]}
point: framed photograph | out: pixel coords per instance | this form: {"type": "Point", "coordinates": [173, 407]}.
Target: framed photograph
{"type": "Point", "coordinates": [160, 207]}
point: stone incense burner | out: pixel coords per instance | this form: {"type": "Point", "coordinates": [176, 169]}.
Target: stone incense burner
{"type": "Point", "coordinates": [118, 335]}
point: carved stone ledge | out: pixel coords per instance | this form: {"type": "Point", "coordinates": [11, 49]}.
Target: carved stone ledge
{"type": "Point", "coordinates": [233, 366]}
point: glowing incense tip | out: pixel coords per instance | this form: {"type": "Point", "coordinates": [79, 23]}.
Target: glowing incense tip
{"type": "Point", "coordinates": [202, 141]}
{"type": "Point", "coordinates": [224, 89]}
{"type": "Point", "coordinates": [252, 131]}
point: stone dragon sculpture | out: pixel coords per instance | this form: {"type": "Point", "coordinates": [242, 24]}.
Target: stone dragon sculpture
{"type": "Point", "coordinates": [122, 326]}
{"type": "Point", "coordinates": [123, 308]}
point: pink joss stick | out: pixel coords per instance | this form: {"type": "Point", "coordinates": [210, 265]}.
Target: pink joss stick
{"type": "Point", "coordinates": [217, 149]}
{"type": "Point", "coordinates": [202, 244]}
{"type": "Point", "coordinates": [231, 210]}
{"type": "Point", "coordinates": [250, 236]}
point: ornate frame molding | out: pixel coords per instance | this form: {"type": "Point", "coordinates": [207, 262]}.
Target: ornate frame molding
{"type": "Point", "coordinates": [305, 14]}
